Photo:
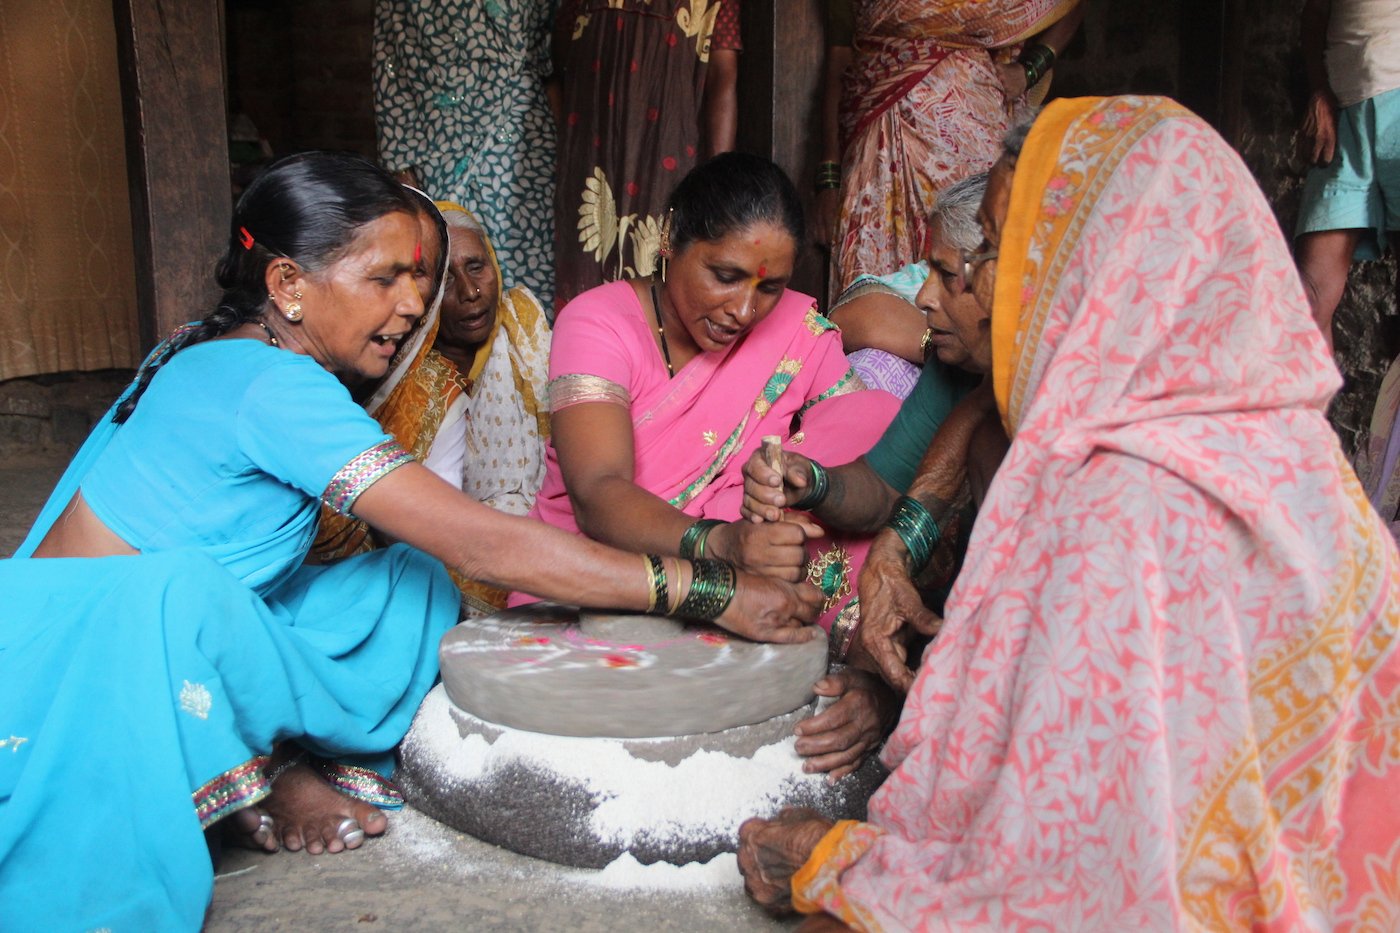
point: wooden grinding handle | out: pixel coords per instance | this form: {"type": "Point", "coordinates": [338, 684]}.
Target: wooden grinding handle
{"type": "Point", "coordinates": [773, 452]}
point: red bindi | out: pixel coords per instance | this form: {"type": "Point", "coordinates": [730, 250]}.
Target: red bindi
{"type": "Point", "coordinates": [762, 271]}
{"type": "Point", "coordinates": [418, 252]}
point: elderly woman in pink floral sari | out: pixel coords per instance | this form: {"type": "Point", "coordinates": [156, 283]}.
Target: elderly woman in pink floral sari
{"type": "Point", "coordinates": [931, 87]}
{"type": "Point", "coordinates": [1166, 692]}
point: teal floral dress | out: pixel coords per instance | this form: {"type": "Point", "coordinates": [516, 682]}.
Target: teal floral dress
{"type": "Point", "coordinates": [459, 98]}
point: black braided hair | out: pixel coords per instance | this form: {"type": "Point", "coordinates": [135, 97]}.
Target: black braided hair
{"type": "Point", "coordinates": [729, 193]}
{"type": "Point", "coordinates": [305, 207]}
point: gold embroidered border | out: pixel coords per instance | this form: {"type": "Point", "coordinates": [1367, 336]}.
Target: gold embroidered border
{"type": "Point", "coordinates": [577, 388]}
{"type": "Point", "coordinates": [233, 790]}
{"type": "Point", "coordinates": [363, 472]}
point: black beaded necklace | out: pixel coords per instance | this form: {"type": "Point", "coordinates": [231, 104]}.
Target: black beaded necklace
{"type": "Point", "coordinates": [661, 327]}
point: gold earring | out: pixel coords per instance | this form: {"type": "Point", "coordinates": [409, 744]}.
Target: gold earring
{"type": "Point", "coordinates": [663, 251]}
{"type": "Point", "coordinates": [293, 310]}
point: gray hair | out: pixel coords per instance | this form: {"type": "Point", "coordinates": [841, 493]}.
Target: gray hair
{"type": "Point", "coordinates": [1015, 139]}
{"type": "Point", "coordinates": [464, 221]}
{"type": "Point", "coordinates": [956, 209]}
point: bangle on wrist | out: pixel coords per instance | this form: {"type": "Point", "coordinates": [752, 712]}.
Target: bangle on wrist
{"type": "Point", "coordinates": [694, 538]}
{"type": "Point", "coordinates": [816, 490]}
{"type": "Point", "coordinates": [828, 176]}
{"type": "Point", "coordinates": [656, 582]}
{"type": "Point", "coordinates": [917, 529]}
{"type": "Point", "coordinates": [674, 602]}
{"type": "Point", "coordinates": [926, 343]}
{"type": "Point", "coordinates": [1036, 59]}
{"type": "Point", "coordinates": [712, 586]}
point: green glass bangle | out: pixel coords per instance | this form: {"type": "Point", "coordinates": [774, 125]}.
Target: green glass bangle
{"type": "Point", "coordinates": [917, 529]}
{"type": "Point", "coordinates": [712, 588]}
{"type": "Point", "coordinates": [693, 541]}
{"type": "Point", "coordinates": [660, 595]}
{"type": "Point", "coordinates": [816, 492]}
{"type": "Point", "coordinates": [1036, 59]}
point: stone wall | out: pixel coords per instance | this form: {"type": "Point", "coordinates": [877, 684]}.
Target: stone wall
{"type": "Point", "coordinates": [302, 71]}
{"type": "Point", "coordinates": [49, 416]}
{"type": "Point", "coordinates": [1135, 48]}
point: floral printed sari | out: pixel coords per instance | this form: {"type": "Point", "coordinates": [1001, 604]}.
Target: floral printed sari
{"type": "Point", "coordinates": [1167, 693]}
{"type": "Point", "coordinates": [693, 433]}
{"type": "Point", "coordinates": [922, 107]}
{"type": "Point", "coordinates": [634, 82]}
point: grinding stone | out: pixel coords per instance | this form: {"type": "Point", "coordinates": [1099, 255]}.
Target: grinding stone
{"type": "Point", "coordinates": [544, 668]}
{"type": "Point", "coordinates": [538, 806]}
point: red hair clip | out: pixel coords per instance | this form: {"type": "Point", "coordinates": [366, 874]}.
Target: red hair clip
{"type": "Point", "coordinates": [245, 238]}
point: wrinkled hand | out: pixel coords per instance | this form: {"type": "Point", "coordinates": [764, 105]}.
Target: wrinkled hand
{"type": "Point", "coordinates": [765, 609]}
{"type": "Point", "coordinates": [771, 851]}
{"type": "Point", "coordinates": [838, 739]}
{"type": "Point", "coordinates": [828, 213]}
{"type": "Point", "coordinates": [774, 549]}
{"type": "Point", "coordinates": [1013, 79]}
{"type": "Point", "coordinates": [766, 493]}
{"type": "Point", "coordinates": [889, 604]}
{"type": "Point", "coordinates": [1317, 138]}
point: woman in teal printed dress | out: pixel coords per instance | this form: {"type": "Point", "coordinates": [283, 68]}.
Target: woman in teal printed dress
{"type": "Point", "coordinates": [461, 108]}
{"type": "Point", "coordinates": [165, 654]}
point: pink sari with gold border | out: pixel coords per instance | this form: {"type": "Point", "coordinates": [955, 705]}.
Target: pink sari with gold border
{"type": "Point", "coordinates": [1167, 692]}
{"type": "Point", "coordinates": [693, 433]}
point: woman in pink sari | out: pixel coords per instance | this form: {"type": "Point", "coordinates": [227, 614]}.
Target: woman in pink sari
{"type": "Point", "coordinates": [1166, 692]}
{"type": "Point", "coordinates": [661, 388]}
{"type": "Point", "coordinates": [931, 87]}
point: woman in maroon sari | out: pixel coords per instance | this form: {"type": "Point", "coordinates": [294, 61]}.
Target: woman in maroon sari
{"type": "Point", "coordinates": [648, 92]}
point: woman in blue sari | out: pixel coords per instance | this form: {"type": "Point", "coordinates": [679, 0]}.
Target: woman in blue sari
{"type": "Point", "coordinates": [165, 655]}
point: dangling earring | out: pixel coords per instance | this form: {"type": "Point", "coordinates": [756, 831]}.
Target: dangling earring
{"type": "Point", "coordinates": [293, 310]}
{"type": "Point", "coordinates": [663, 251]}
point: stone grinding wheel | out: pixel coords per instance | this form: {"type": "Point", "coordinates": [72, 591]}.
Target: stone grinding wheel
{"type": "Point", "coordinates": [551, 669]}
{"type": "Point", "coordinates": [663, 774]}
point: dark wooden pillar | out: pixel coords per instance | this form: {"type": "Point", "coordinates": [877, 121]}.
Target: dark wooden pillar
{"type": "Point", "coordinates": [172, 71]}
{"type": "Point", "coordinates": [1211, 62]}
{"type": "Point", "coordinates": [779, 109]}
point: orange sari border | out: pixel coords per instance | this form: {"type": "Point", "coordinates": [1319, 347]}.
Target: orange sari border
{"type": "Point", "coordinates": [1043, 222]}
{"type": "Point", "coordinates": [816, 886]}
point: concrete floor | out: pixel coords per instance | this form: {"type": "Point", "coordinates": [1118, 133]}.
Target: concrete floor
{"type": "Point", "coordinates": [422, 875]}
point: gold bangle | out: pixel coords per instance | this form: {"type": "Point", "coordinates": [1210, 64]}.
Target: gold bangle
{"type": "Point", "coordinates": [675, 599]}
{"type": "Point", "coordinates": [926, 343]}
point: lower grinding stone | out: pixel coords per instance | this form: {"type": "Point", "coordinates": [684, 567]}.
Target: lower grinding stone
{"type": "Point", "coordinates": [545, 668]}
{"type": "Point", "coordinates": [586, 801]}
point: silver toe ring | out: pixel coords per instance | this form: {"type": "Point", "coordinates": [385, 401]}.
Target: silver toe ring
{"type": "Point", "coordinates": [350, 831]}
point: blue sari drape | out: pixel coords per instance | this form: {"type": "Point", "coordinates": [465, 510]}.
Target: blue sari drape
{"type": "Point", "coordinates": [140, 694]}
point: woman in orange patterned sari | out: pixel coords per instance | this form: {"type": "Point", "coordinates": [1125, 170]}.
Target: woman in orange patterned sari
{"type": "Point", "coordinates": [1167, 692]}
{"type": "Point", "coordinates": [931, 88]}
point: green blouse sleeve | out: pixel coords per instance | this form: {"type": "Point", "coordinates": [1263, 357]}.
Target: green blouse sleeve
{"type": "Point", "coordinates": [897, 454]}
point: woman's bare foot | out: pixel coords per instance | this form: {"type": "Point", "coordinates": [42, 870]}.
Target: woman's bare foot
{"type": "Point", "coordinates": [311, 814]}
{"type": "Point", "coordinates": [251, 828]}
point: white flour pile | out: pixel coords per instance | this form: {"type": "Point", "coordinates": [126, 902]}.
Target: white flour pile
{"type": "Point", "coordinates": [625, 873]}
{"type": "Point", "coordinates": [707, 794]}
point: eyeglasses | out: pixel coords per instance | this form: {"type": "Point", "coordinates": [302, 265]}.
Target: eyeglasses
{"type": "Point", "coordinates": [956, 282]}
